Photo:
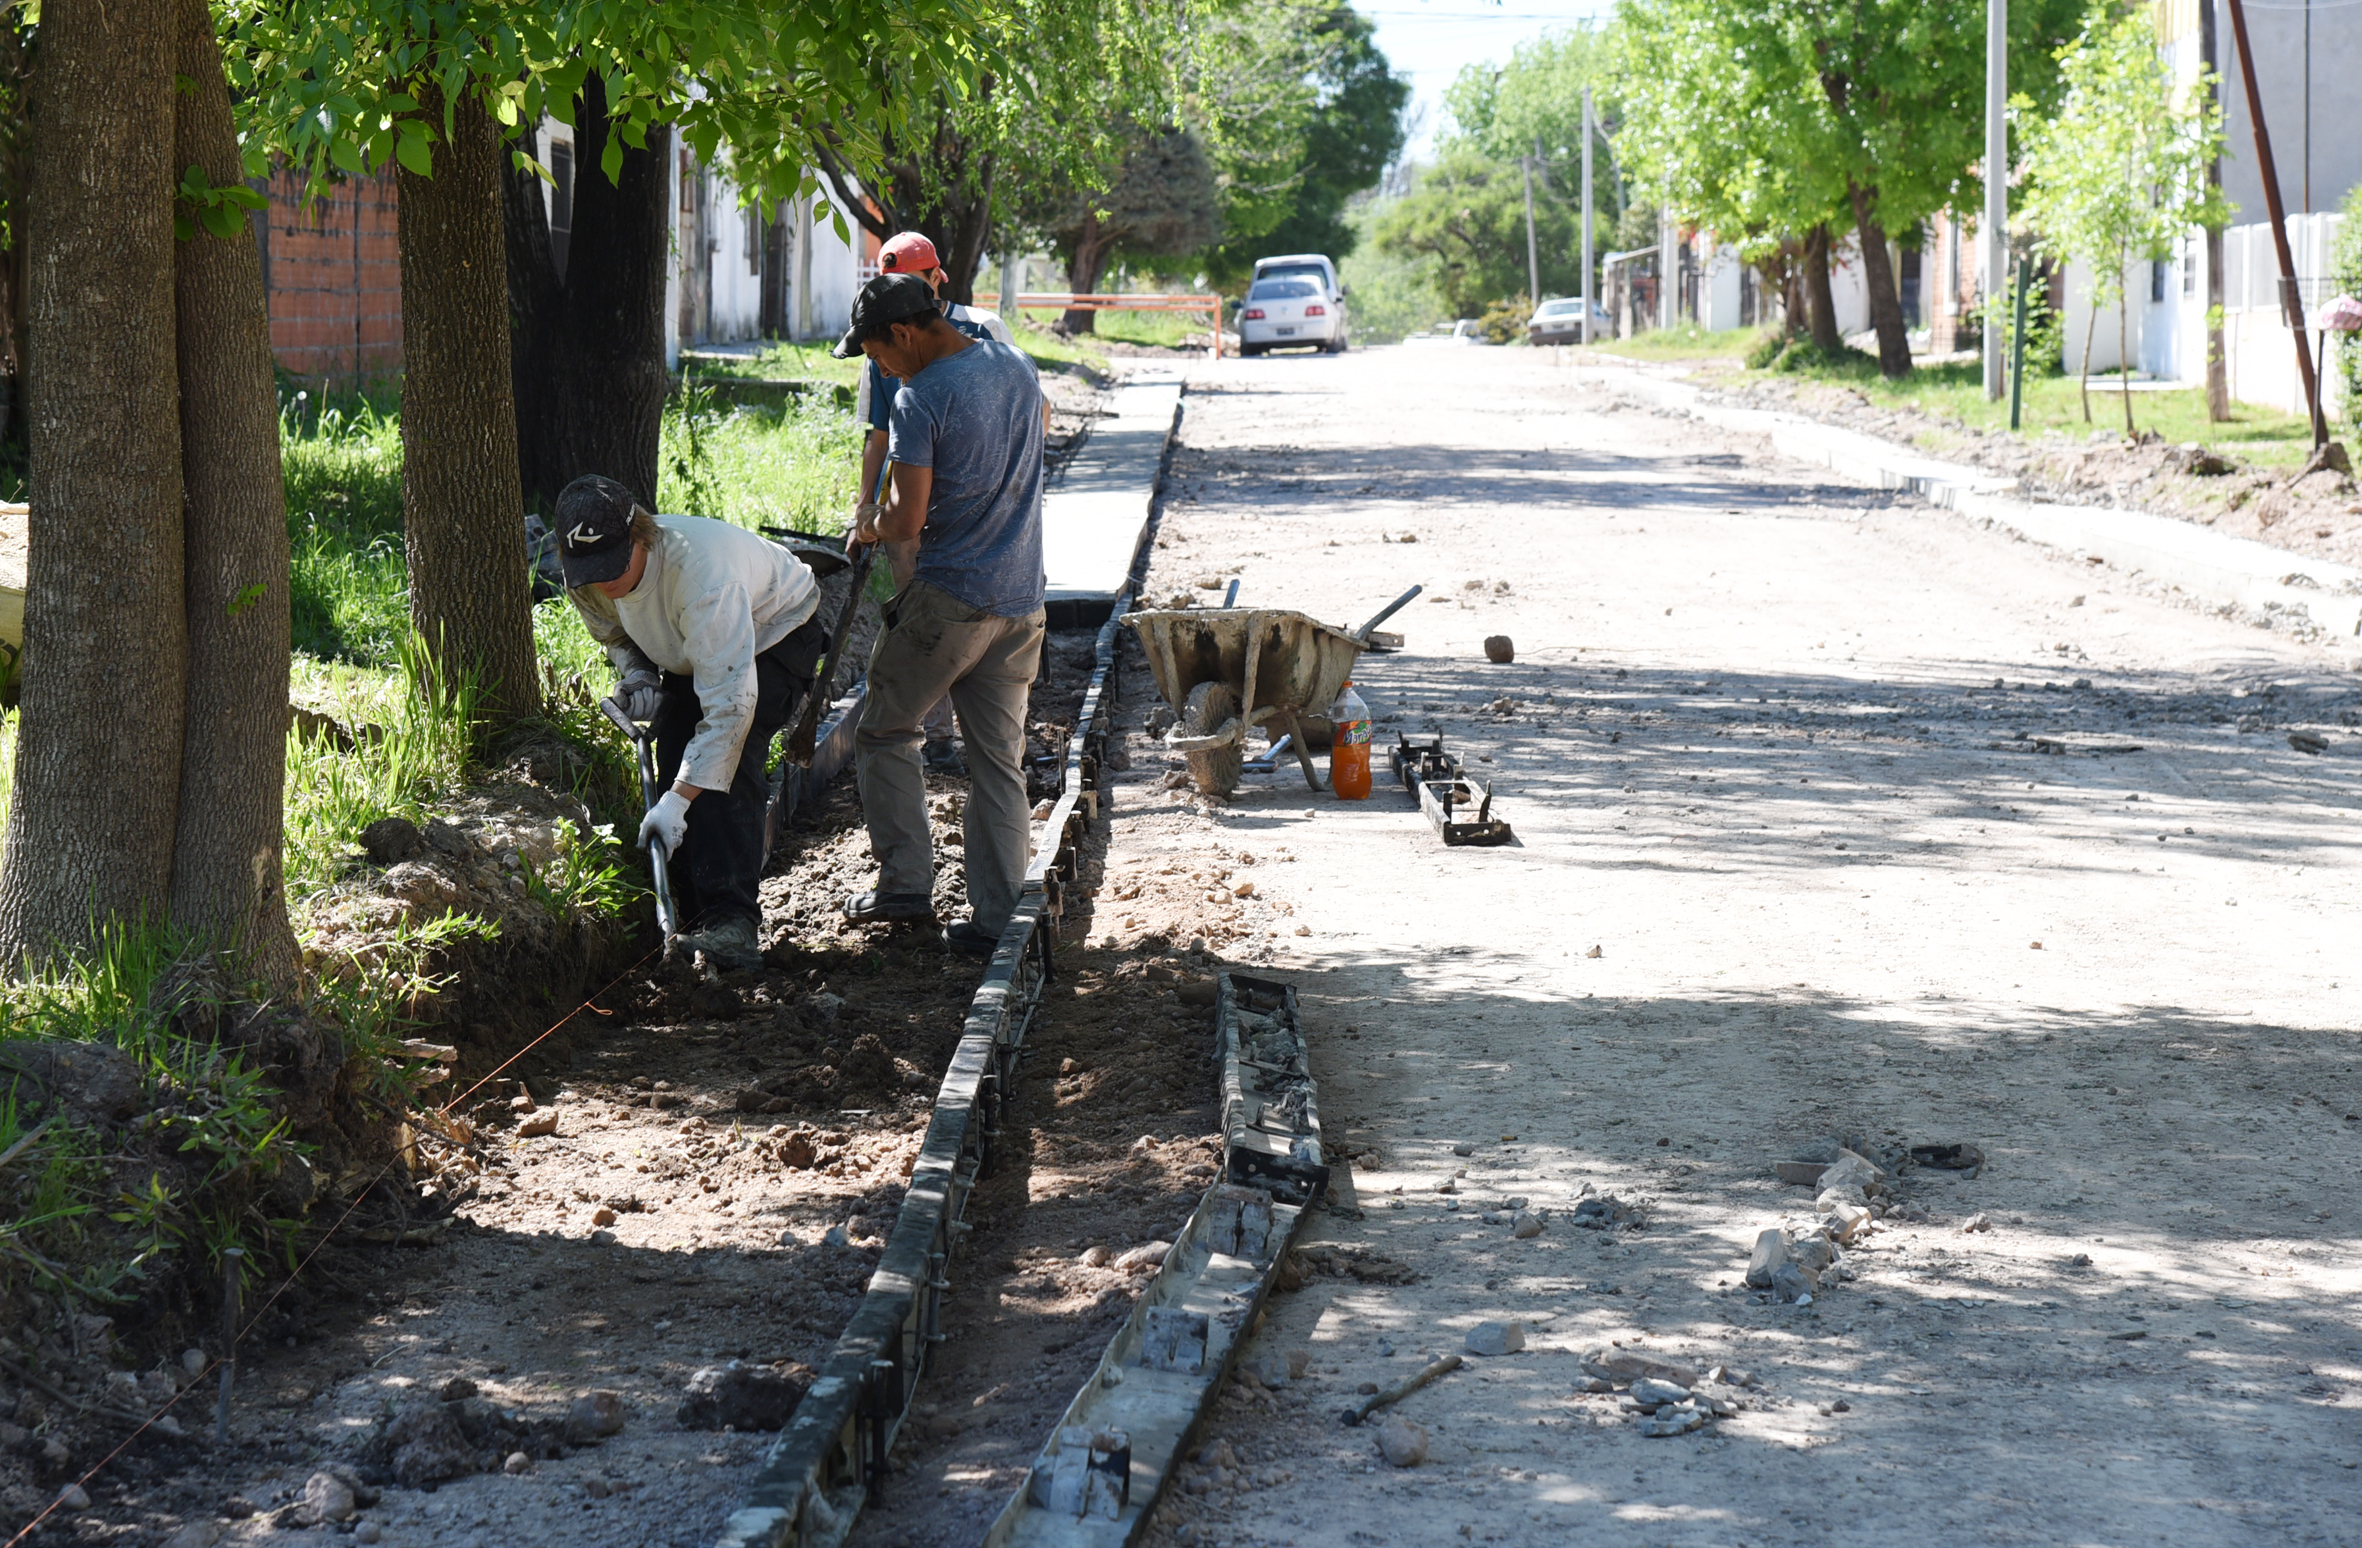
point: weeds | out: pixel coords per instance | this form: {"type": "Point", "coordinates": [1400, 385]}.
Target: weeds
{"type": "Point", "coordinates": [412, 735]}
{"type": "Point", "coordinates": [197, 1102]}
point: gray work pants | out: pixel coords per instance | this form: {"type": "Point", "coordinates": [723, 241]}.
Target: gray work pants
{"type": "Point", "coordinates": [934, 643]}
{"type": "Point", "coordinates": [903, 560]}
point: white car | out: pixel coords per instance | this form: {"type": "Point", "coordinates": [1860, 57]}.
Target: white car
{"type": "Point", "coordinates": [1466, 332]}
{"type": "Point", "coordinates": [1293, 300]}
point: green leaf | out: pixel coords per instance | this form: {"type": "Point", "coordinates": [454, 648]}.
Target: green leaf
{"type": "Point", "coordinates": [411, 151]}
{"type": "Point", "coordinates": [247, 596]}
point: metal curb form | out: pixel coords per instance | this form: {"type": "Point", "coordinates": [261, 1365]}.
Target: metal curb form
{"type": "Point", "coordinates": [1112, 1452]}
{"type": "Point", "coordinates": [831, 1459]}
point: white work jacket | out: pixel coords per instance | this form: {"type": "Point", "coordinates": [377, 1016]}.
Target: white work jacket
{"type": "Point", "coordinates": [714, 597]}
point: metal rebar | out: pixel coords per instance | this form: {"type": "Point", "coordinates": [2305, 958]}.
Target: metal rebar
{"type": "Point", "coordinates": [233, 1263]}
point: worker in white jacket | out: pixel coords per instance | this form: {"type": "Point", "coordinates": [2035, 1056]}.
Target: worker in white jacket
{"type": "Point", "coordinates": [714, 636]}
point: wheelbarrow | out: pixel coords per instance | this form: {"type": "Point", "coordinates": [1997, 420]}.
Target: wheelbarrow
{"type": "Point", "coordinates": [1224, 669]}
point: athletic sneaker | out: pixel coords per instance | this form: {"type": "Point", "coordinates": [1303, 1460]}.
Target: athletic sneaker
{"type": "Point", "coordinates": [729, 945]}
{"type": "Point", "coordinates": [942, 756]}
{"type": "Point", "coordinates": [890, 908]}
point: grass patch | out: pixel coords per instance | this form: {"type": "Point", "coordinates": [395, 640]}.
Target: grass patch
{"type": "Point", "coordinates": [778, 360]}
{"type": "Point", "coordinates": [787, 467]}
{"type": "Point", "coordinates": [1687, 342]}
{"type": "Point", "coordinates": [412, 740]}
{"type": "Point", "coordinates": [1956, 393]}
{"type": "Point", "coordinates": [1163, 330]}
{"type": "Point", "coordinates": [341, 460]}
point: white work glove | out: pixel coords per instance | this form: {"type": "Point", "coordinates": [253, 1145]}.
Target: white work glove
{"type": "Point", "coordinates": [667, 821]}
{"type": "Point", "coordinates": [642, 691]}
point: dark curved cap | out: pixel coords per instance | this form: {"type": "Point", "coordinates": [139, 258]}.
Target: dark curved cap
{"type": "Point", "coordinates": [890, 298]}
{"type": "Point", "coordinates": [594, 529]}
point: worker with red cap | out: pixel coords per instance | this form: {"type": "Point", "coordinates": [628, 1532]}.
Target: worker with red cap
{"type": "Point", "coordinates": [911, 253]}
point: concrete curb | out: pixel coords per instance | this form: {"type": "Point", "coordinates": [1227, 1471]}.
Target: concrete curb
{"type": "Point", "coordinates": [2213, 567]}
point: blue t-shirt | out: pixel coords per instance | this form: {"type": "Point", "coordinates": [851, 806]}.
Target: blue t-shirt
{"type": "Point", "coordinates": [975, 418]}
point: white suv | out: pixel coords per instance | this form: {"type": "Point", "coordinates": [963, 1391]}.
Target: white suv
{"type": "Point", "coordinates": [1294, 300]}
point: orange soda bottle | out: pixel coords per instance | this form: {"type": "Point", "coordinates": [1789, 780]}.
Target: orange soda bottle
{"type": "Point", "coordinates": [1349, 746]}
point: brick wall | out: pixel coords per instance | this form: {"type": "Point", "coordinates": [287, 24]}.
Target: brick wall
{"type": "Point", "coordinates": [333, 271]}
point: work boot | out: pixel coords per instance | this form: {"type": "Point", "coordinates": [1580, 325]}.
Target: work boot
{"type": "Point", "coordinates": [942, 756]}
{"type": "Point", "coordinates": [971, 939]}
{"type": "Point", "coordinates": [728, 944]}
{"type": "Point", "coordinates": [890, 908]}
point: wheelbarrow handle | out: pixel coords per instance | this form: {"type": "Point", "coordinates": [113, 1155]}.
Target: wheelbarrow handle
{"type": "Point", "coordinates": [1388, 611]}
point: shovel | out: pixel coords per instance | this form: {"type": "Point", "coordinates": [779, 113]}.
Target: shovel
{"type": "Point", "coordinates": [657, 859]}
{"type": "Point", "coordinates": [803, 737]}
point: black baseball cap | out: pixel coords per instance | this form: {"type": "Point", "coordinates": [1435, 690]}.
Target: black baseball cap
{"type": "Point", "coordinates": [890, 298]}
{"type": "Point", "coordinates": [594, 529]}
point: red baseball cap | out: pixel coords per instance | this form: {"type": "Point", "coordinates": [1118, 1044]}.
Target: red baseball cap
{"type": "Point", "coordinates": [908, 253]}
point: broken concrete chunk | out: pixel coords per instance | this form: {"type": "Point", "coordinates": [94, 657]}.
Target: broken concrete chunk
{"type": "Point", "coordinates": [743, 1397]}
{"type": "Point", "coordinates": [1771, 1250]}
{"type": "Point", "coordinates": [1813, 1254]}
{"type": "Point", "coordinates": [1672, 1421]}
{"type": "Point", "coordinates": [1631, 1365]}
{"type": "Point", "coordinates": [1800, 1174]}
{"type": "Point", "coordinates": [1650, 1393]}
{"type": "Point", "coordinates": [1495, 1338]}
{"type": "Point", "coordinates": [594, 1416]}
{"type": "Point", "coordinates": [1143, 1259]}
{"type": "Point", "coordinates": [1832, 1198]}
{"type": "Point", "coordinates": [1852, 1171]}
{"type": "Point", "coordinates": [1848, 1221]}
{"type": "Point", "coordinates": [1402, 1443]}
{"type": "Point", "coordinates": [1791, 1285]}
{"type": "Point", "coordinates": [1980, 1221]}
{"type": "Point", "coordinates": [326, 1497]}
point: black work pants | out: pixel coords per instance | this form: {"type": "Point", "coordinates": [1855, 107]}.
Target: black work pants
{"type": "Point", "coordinates": [718, 876]}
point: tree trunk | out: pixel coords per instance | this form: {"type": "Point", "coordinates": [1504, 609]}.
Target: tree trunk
{"type": "Point", "coordinates": [2091, 323]}
{"type": "Point", "coordinates": [2124, 346]}
{"type": "Point", "coordinates": [226, 883]}
{"type": "Point", "coordinates": [1820, 306]}
{"type": "Point", "coordinates": [462, 508]}
{"type": "Point", "coordinates": [536, 302]}
{"type": "Point", "coordinates": [1886, 303]}
{"type": "Point", "coordinates": [589, 348]}
{"type": "Point", "coordinates": [1092, 244]}
{"type": "Point", "coordinates": [92, 816]}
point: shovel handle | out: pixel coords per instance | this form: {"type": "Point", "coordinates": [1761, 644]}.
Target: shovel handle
{"type": "Point", "coordinates": [1388, 611]}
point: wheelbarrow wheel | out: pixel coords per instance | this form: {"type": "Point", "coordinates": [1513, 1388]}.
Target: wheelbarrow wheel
{"type": "Point", "coordinates": [1210, 706]}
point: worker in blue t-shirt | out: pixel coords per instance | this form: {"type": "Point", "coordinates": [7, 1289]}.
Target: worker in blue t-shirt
{"type": "Point", "coordinates": [911, 253]}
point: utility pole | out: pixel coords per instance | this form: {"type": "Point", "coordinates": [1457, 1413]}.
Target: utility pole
{"type": "Point", "coordinates": [2218, 373]}
{"type": "Point", "coordinates": [2292, 302]}
{"type": "Point", "coordinates": [1533, 253]}
{"type": "Point", "coordinates": [1996, 255]}
{"type": "Point", "coordinates": [1587, 301]}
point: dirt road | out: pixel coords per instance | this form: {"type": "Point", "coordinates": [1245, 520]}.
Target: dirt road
{"type": "Point", "coordinates": [1788, 866]}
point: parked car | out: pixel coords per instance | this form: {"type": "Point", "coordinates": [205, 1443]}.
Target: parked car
{"type": "Point", "coordinates": [1561, 322]}
{"type": "Point", "coordinates": [1293, 300]}
{"type": "Point", "coordinates": [1467, 331]}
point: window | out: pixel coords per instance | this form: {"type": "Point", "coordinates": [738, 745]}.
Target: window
{"type": "Point", "coordinates": [2156, 279]}
{"type": "Point", "coordinates": [561, 195]}
{"type": "Point", "coordinates": [1283, 290]}
{"type": "Point", "coordinates": [2189, 269]}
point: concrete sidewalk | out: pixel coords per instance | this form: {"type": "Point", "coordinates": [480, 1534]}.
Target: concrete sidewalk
{"type": "Point", "coordinates": [2212, 567]}
{"type": "Point", "coordinates": [1093, 515]}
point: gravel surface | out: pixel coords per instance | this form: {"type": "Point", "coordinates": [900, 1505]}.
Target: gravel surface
{"type": "Point", "coordinates": [1790, 865]}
